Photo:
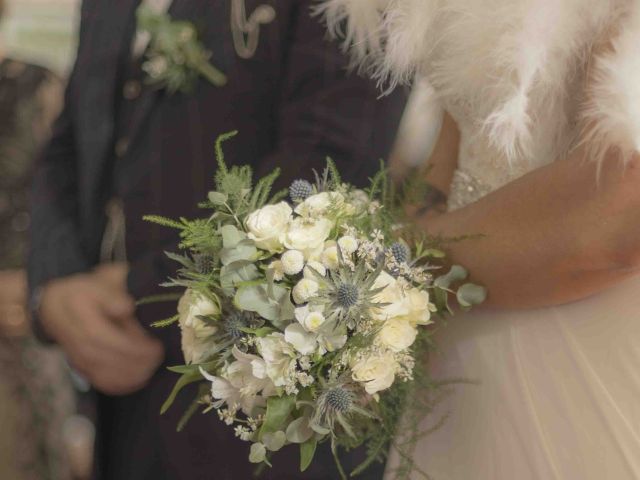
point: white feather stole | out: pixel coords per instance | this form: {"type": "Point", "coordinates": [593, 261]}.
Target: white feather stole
{"type": "Point", "coordinates": [510, 61]}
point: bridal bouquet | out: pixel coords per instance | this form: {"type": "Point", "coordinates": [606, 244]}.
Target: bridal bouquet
{"type": "Point", "coordinates": [305, 310]}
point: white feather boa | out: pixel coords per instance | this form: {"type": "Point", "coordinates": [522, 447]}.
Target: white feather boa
{"type": "Point", "coordinates": [501, 56]}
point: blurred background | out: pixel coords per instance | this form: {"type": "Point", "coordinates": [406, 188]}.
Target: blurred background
{"type": "Point", "coordinates": [41, 32]}
{"type": "Point", "coordinates": [45, 411]}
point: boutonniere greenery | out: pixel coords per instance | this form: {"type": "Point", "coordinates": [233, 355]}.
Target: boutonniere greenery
{"type": "Point", "coordinates": [175, 57]}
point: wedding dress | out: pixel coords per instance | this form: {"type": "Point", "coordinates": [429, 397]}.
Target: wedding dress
{"type": "Point", "coordinates": [557, 390]}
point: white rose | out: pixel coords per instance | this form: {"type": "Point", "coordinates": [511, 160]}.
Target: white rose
{"type": "Point", "coordinates": [196, 333]}
{"type": "Point", "coordinates": [317, 266]}
{"type": "Point", "coordinates": [292, 262]}
{"type": "Point", "coordinates": [348, 244]}
{"type": "Point", "coordinates": [279, 358]}
{"type": "Point", "coordinates": [307, 236]}
{"type": "Point", "coordinates": [376, 373]}
{"type": "Point", "coordinates": [420, 307]}
{"type": "Point", "coordinates": [319, 204]}
{"type": "Point", "coordinates": [397, 334]}
{"type": "Point", "coordinates": [392, 295]}
{"type": "Point", "coordinates": [304, 290]}
{"type": "Point", "coordinates": [267, 225]}
{"type": "Point", "coordinates": [330, 258]}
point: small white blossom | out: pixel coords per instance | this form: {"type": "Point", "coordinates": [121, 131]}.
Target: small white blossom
{"type": "Point", "coordinates": [304, 290]}
{"type": "Point", "coordinates": [330, 258]}
{"type": "Point", "coordinates": [292, 262]}
{"type": "Point", "coordinates": [304, 362]}
{"type": "Point", "coordinates": [243, 433]}
{"type": "Point", "coordinates": [348, 244]}
{"type": "Point", "coordinates": [317, 266]}
{"type": "Point", "coordinates": [305, 379]}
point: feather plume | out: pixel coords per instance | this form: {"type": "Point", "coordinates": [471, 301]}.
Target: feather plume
{"type": "Point", "coordinates": [513, 64]}
{"type": "Point", "coordinates": [612, 115]}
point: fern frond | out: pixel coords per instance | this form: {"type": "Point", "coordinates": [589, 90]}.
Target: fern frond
{"type": "Point", "coordinates": [167, 322]}
{"type": "Point", "coordinates": [334, 173]}
{"type": "Point", "coordinates": [161, 297]}
{"type": "Point", "coordinates": [164, 221]}
{"type": "Point", "coordinates": [262, 190]}
{"type": "Point", "coordinates": [222, 166]}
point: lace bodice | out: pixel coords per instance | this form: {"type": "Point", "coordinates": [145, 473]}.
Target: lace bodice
{"type": "Point", "coordinates": [483, 167]}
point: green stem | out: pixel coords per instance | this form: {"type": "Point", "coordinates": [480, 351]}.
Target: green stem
{"type": "Point", "coordinates": [334, 451]}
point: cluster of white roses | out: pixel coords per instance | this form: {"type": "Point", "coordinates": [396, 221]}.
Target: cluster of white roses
{"type": "Point", "coordinates": [405, 308]}
{"type": "Point", "coordinates": [303, 248]}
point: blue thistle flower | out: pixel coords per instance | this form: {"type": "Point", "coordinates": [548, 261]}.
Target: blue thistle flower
{"type": "Point", "coordinates": [300, 190]}
{"type": "Point", "coordinates": [400, 252]}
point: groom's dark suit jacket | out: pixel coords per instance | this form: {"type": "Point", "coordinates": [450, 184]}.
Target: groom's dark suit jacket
{"type": "Point", "coordinates": [293, 104]}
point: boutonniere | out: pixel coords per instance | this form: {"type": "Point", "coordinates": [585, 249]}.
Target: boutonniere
{"type": "Point", "coordinates": [175, 57]}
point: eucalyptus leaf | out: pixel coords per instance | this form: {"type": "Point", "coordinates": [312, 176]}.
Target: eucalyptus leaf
{"type": "Point", "coordinates": [278, 409]}
{"type": "Point", "coordinates": [456, 274]}
{"type": "Point", "coordinates": [274, 441]}
{"type": "Point", "coordinates": [237, 272]}
{"type": "Point", "coordinates": [253, 298]}
{"type": "Point", "coordinates": [434, 253]}
{"type": "Point", "coordinates": [471, 294]}
{"type": "Point", "coordinates": [299, 430]}
{"type": "Point", "coordinates": [231, 236]}
{"type": "Point", "coordinates": [307, 452]}
{"type": "Point", "coordinates": [184, 369]}
{"type": "Point", "coordinates": [257, 453]}
{"type": "Point", "coordinates": [217, 198]}
{"type": "Point", "coordinates": [243, 250]}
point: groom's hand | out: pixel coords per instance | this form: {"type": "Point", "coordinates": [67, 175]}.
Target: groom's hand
{"type": "Point", "coordinates": [92, 317]}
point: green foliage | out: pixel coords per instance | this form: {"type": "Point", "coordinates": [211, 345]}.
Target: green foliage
{"type": "Point", "coordinates": [165, 323]}
{"type": "Point", "coordinates": [184, 380]}
{"type": "Point", "coordinates": [307, 452]}
{"type": "Point", "coordinates": [278, 410]}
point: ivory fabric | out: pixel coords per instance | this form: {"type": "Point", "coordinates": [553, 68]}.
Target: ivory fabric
{"type": "Point", "coordinates": [557, 390]}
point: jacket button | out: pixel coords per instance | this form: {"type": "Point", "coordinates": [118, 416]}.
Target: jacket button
{"type": "Point", "coordinates": [121, 147]}
{"type": "Point", "coordinates": [131, 89]}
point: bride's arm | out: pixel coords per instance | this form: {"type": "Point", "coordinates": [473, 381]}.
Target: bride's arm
{"type": "Point", "coordinates": [558, 234]}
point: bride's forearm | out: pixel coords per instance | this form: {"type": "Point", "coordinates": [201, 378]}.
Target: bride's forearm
{"type": "Point", "coordinates": [558, 234]}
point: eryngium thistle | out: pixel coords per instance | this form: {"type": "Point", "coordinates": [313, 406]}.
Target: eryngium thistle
{"type": "Point", "coordinates": [204, 263]}
{"type": "Point", "coordinates": [300, 190]}
{"type": "Point", "coordinates": [238, 320]}
{"type": "Point", "coordinates": [347, 295]}
{"type": "Point", "coordinates": [337, 404]}
{"type": "Point", "coordinates": [400, 252]}
{"type": "Point", "coordinates": [339, 399]}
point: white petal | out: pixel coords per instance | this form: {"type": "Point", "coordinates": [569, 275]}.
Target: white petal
{"type": "Point", "coordinates": [303, 341]}
{"type": "Point", "coordinates": [221, 388]}
{"type": "Point", "coordinates": [259, 368]}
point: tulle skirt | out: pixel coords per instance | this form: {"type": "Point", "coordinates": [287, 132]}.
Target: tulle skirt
{"type": "Point", "coordinates": [556, 394]}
